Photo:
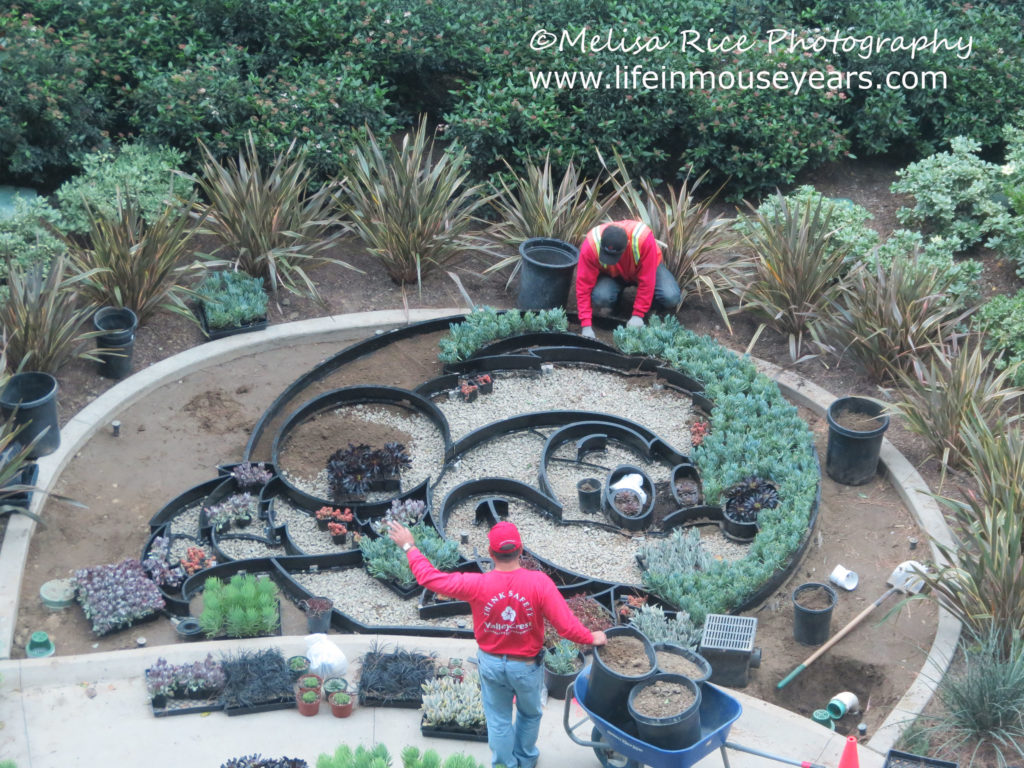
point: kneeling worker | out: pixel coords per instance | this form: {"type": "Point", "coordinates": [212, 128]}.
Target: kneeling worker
{"type": "Point", "coordinates": [616, 255]}
{"type": "Point", "coordinates": [509, 606]}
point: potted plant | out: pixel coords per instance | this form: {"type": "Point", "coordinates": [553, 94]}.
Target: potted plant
{"type": "Point", "coordinates": [698, 431]}
{"type": "Point", "coordinates": [310, 682]}
{"type": "Point", "coordinates": [562, 664]}
{"type": "Point", "coordinates": [468, 390]}
{"type": "Point", "coordinates": [338, 531]}
{"type": "Point", "coordinates": [116, 595]}
{"type": "Point", "coordinates": [856, 426]}
{"type": "Point", "coordinates": [743, 502]}
{"type": "Point", "coordinates": [484, 383]}
{"type": "Point", "coordinates": [629, 497]}
{"type": "Point", "coordinates": [686, 486]}
{"type": "Point", "coordinates": [197, 559]}
{"type": "Point", "coordinates": [239, 508]}
{"type": "Point", "coordinates": [231, 302]}
{"type": "Point", "coordinates": [196, 681]}
{"type": "Point", "coordinates": [325, 515]}
{"type": "Point", "coordinates": [341, 703]}
{"type": "Point", "coordinates": [298, 666]}
{"type": "Point", "coordinates": [308, 701]}
{"type": "Point", "coordinates": [318, 613]}
{"type": "Point", "coordinates": [335, 684]}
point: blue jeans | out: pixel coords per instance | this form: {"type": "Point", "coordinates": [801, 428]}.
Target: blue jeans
{"type": "Point", "coordinates": [500, 681]}
{"type": "Point", "coordinates": [607, 291]}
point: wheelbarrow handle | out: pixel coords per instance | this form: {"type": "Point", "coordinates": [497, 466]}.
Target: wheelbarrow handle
{"type": "Point", "coordinates": [770, 756]}
{"type": "Point", "coordinates": [571, 729]}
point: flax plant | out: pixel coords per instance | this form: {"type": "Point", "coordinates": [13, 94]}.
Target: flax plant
{"type": "Point", "coordinates": [133, 264]}
{"type": "Point", "coordinates": [696, 247]}
{"type": "Point", "coordinates": [413, 211]}
{"type": "Point", "coordinates": [267, 217]}
{"type": "Point", "coordinates": [43, 318]}
{"type": "Point", "coordinates": [536, 206]}
{"type": "Point", "coordinates": [795, 273]}
{"type": "Point", "coordinates": [951, 392]}
{"type": "Point", "coordinates": [888, 321]}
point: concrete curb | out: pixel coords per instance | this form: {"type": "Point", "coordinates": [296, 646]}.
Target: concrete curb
{"type": "Point", "coordinates": [914, 493]}
{"type": "Point", "coordinates": [14, 553]}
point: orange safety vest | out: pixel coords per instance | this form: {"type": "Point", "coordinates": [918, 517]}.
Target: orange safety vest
{"type": "Point", "coordinates": [636, 235]}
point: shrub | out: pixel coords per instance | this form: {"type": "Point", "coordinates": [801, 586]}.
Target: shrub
{"type": "Point", "coordinates": [267, 217]}
{"type": "Point", "coordinates": [1001, 320]}
{"type": "Point", "coordinates": [45, 323]}
{"type": "Point", "coordinates": [134, 263]}
{"type": "Point", "coordinates": [486, 324]}
{"type": "Point", "coordinates": [116, 595]}
{"type": "Point", "coordinates": [25, 240]}
{"type": "Point", "coordinates": [695, 248]}
{"type": "Point", "coordinates": [534, 207]}
{"type": "Point", "coordinates": [795, 268]}
{"type": "Point", "coordinates": [412, 211]}
{"type": "Point", "coordinates": [232, 299]}
{"type": "Point", "coordinates": [889, 320]}
{"type": "Point", "coordinates": [956, 280]}
{"type": "Point", "coordinates": [940, 399]}
{"type": "Point", "coordinates": [954, 194]}
{"type": "Point", "coordinates": [51, 111]}
{"type": "Point", "coordinates": [143, 176]}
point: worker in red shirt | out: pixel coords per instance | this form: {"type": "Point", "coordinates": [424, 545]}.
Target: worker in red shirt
{"type": "Point", "coordinates": [509, 606]}
{"type": "Point", "coordinates": [616, 255]}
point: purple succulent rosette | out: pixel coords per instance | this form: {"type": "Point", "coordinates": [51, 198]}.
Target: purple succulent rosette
{"type": "Point", "coordinates": [117, 595]}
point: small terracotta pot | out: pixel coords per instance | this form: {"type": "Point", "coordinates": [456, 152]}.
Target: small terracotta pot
{"type": "Point", "coordinates": [341, 710]}
{"type": "Point", "coordinates": [307, 709]}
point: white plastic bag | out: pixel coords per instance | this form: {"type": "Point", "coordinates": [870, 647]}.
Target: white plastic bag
{"type": "Point", "coordinates": [632, 482]}
{"type": "Point", "coordinates": [325, 658]}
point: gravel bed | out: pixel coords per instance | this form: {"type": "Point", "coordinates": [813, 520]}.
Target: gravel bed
{"type": "Point", "coordinates": [576, 388]}
{"type": "Point", "coordinates": [180, 547]}
{"type": "Point", "coordinates": [365, 599]}
{"type": "Point", "coordinates": [303, 530]}
{"type": "Point", "coordinates": [425, 447]}
{"type": "Point", "coordinates": [516, 456]}
{"type": "Point", "coordinates": [243, 549]}
{"type": "Point", "coordinates": [187, 521]}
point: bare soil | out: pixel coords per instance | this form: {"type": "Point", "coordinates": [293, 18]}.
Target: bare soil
{"type": "Point", "coordinates": [677, 664]}
{"type": "Point", "coordinates": [625, 655]}
{"type": "Point", "coordinates": [857, 422]}
{"type": "Point", "coordinates": [663, 699]}
{"type": "Point", "coordinates": [817, 599]}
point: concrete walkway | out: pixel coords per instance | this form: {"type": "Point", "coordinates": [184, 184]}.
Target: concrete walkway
{"type": "Point", "coordinates": [92, 710]}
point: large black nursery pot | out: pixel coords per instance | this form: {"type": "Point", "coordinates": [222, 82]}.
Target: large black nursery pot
{"type": "Point", "coordinates": [691, 656]}
{"type": "Point", "coordinates": [545, 272]}
{"type": "Point", "coordinates": [116, 341]}
{"type": "Point", "coordinates": [677, 731]}
{"type": "Point", "coordinates": [608, 690]}
{"type": "Point", "coordinates": [640, 521]}
{"type": "Point", "coordinates": [811, 625]}
{"type": "Point", "coordinates": [32, 398]}
{"type": "Point", "coordinates": [852, 456]}
{"type": "Point", "coordinates": [558, 683]}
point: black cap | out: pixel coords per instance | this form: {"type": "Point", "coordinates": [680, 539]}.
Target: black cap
{"type": "Point", "coordinates": [613, 243]}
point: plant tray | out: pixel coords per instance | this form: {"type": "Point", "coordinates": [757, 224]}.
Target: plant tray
{"type": "Point", "coordinates": [897, 759]}
{"type": "Point", "coordinates": [186, 707]}
{"type": "Point", "coordinates": [403, 592]}
{"type": "Point", "coordinates": [267, 706]}
{"type": "Point", "coordinates": [220, 333]}
{"type": "Point", "coordinates": [452, 731]}
{"type": "Point", "coordinates": [373, 701]}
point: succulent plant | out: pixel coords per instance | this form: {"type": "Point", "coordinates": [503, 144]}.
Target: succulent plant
{"type": "Point", "coordinates": [408, 513]}
{"type": "Point", "coordinates": [158, 564]}
{"type": "Point", "coordinates": [449, 700]}
{"type": "Point", "coordinates": [746, 499]}
{"type": "Point", "coordinates": [562, 657]}
{"type": "Point", "coordinates": [171, 680]}
{"type": "Point", "coordinates": [351, 470]}
{"type": "Point", "coordinates": [249, 475]}
{"type": "Point", "coordinates": [116, 595]}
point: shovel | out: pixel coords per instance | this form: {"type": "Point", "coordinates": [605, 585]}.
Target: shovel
{"type": "Point", "coordinates": [904, 579]}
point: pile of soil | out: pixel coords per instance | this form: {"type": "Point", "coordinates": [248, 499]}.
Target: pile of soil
{"type": "Point", "coordinates": [625, 655]}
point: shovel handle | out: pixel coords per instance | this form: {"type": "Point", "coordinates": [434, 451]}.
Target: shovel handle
{"type": "Point", "coordinates": [835, 638]}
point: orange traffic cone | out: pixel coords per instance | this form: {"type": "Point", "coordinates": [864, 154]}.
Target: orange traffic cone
{"type": "Point", "coordinates": [849, 758]}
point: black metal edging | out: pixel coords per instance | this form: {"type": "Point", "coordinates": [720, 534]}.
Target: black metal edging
{"type": "Point", "coordinates": [494, 486]}
{"type": "Point", "coordinates": [540, 339]}
{"type": "Point", "coordinates": [174, 603]}
{"type": "Point", "coordinates": [350, 396]}
{"type": "Point", "coordinates": [527, 362]}
{"type": "Point", "coordinates": [330, 365]}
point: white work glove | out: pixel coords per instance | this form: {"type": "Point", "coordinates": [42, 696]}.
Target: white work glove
{"type": "Point", "coordinates": [635, 322]}
{"type": "Point", "coordinates": [588, 332]}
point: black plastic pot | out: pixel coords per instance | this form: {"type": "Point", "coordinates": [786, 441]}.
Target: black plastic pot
{"type": "Point", "coordinates": [189, 629]}
{"type": "Point", "coordinates": [811, 626]}
{"type": "Point", "coordinates": [116, 341]}
{"type": "Point", "coordinates": [686, 472]}
{"type": "Point", "coordinates": [677, 731]}
{"type": "Point", "coordinates": [32, 398]}
{"type": "Point", "coordinates": [737, 530]}
{"type": "Point", "coordinates": [852, 456]}
{"type": "Point", "coordinates": [557, 684]}
{"type": "Point", "coordinates": [630, 523]}
{"type": "Point", "coordinates": [607, 690]}
{"type": "Point", "coordinates": [589, 491]}
{"type": "Point", "coordinates": [545, 272]}
{"type": "Point", "coordinates": [690, 656]}
{"type": "Point", "coordinates": [321, 623]}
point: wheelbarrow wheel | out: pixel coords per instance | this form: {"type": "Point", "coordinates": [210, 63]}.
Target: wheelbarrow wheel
{"type": "Point", "coordinates": [609, 757]}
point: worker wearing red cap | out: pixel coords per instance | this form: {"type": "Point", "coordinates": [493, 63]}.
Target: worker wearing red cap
{"type": "Point", "coordinates": [616, 255]}
{"type": "Point", "coordinates": [509, 606]}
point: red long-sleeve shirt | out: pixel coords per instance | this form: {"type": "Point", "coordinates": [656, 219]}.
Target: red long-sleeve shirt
{"type": "Point", "coordinates": [642, 272]}
{"type": "Point", "coordinates": [509, 607]}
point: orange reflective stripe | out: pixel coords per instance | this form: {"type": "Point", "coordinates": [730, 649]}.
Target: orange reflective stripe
{"type": "Point", "coordinates": [636, 237]}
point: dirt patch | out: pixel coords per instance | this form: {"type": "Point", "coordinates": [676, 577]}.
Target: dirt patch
{"type": "Point", "coordinates": [218, 411]}
{"type": "Point", "coordinates": [314, 441]}
{"type": "Point", "coordinates": [663, 699]}
{"type": "Point", "coordinates": [857, 422]}
{"type": "Point", "coordinates": [625, 655]}
{"type": "Point", "coordinates": [814, 599]}
{"type": "Point", "coordinates": [678, 664]}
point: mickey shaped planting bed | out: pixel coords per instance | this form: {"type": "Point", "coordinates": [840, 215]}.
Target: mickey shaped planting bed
{"type": "Point", "coordinates": [510, 432]}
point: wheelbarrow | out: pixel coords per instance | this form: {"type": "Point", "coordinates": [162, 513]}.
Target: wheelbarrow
{"type": "Point", "coordinates": [615, 748]}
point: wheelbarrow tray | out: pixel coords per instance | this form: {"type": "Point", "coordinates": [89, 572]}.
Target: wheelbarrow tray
{"type": "Point", "coordinates": [718, 711]}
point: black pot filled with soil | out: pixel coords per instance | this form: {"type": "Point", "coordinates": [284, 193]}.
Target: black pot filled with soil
{"type": "Point", "coordinates": [855, 429]}
{"type": "Point", "coordinates": [624, 507]}
{"type": "Point", "coordinates": [676, 659]}
{"type": "Point", "coordinates": [812, 612]}
{"type": "Point", "coordinates": [666, 710]}
{"type": "Point", "coordinates": [589, 492]}
{"type": "Point", "coordinates": [627, 659]}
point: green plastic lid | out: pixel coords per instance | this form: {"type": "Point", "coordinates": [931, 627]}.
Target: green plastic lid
{"type": "Point", "coordinates": [823, 717]}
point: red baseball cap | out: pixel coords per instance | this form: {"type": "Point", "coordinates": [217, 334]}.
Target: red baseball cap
{"type": "Point", "coordinates": [504, 538]}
